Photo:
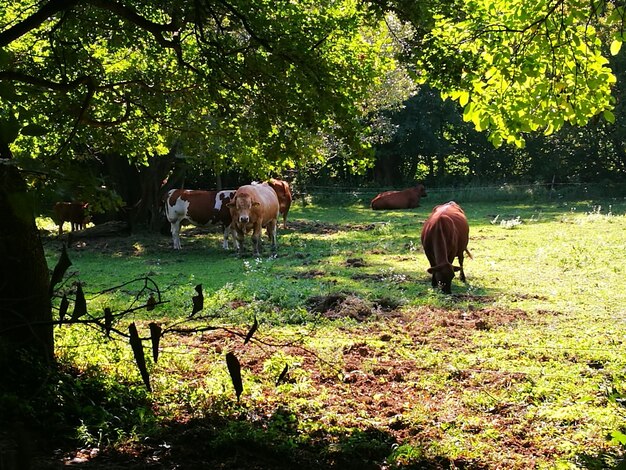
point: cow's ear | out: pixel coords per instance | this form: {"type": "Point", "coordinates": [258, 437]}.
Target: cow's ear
{"type": "Point", "coordinates": [456, 268]}
{"type": "Point", "coordinates": [256, 204]}
{"type": "Point", "coordinates": [430, 270]}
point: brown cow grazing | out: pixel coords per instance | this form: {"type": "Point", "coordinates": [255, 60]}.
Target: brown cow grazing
{"type": "Point", "coordinates": [200, 208]}
{"type": "Point", "coordinates": [405, 199]}
{"type": "Point", "coordinates": [254, 207]}
{"type": "Point", "coordinates": [73, 212]}
{"type": "Point", "coordinates": [444, 236]}
{"type": "Point", "coordinates": [284, 196]}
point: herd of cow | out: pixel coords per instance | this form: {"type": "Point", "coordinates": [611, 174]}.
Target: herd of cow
{"type": "Point", "coordinates": [253, 207]}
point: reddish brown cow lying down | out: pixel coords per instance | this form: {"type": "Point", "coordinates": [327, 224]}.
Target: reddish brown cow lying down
{"type": "Point", "coordinates": [445, 236]}
{"type": "Point", "coordinates": [73, 212]}
{"type": "Point", "coordinates": [406, 199]}
{"type": "Point", "coordinates": [254, 207]}
{"type": "Point", "coordinates": [284, 196]}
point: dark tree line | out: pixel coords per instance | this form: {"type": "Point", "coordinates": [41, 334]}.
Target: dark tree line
{"type": "Point", "coordinates": [432, 143]}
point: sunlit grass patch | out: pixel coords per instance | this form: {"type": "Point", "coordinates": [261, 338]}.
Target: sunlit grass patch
{"type": "Point", "coordinates": [521, 364]}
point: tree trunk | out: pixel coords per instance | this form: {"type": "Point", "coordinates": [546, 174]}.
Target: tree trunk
{"type": "Point", "coordinates": [152, 178]}
{"type": "Point", "coordinates": [25, 309]}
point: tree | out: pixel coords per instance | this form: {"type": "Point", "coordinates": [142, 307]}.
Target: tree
{"type": "Point", "coordinates": [253, 83]}
{"type": "Point", "coordinates": [519, 67]}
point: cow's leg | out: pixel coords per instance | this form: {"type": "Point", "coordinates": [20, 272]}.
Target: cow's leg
{"type": "Point", "coordinates": [271, 234]}
{"type": "Point", "coordinates": [461, 272]}
{"type": "Point", "coordinates": [226, 237]}
{"type": "Point", "coordinates": [175, 229]}
{"type": "Point", "coordinates": [256, 238]}
{"type": "Point", "coordinates": [238, 238]}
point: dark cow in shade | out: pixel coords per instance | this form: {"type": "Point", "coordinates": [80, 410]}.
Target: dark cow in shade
{"type": "Point", "coordinates": [284, 197]}
{"type": "Point", "coordinates": [445, 235]}
{"type": "Point", "coordinates": [406, 199]}
{"type": "Point", "coordinates": [254, 207]}
{"type": "Point", "coordinates": [201, 208]}
{"type": "Point", "coordinates": [73, 212]}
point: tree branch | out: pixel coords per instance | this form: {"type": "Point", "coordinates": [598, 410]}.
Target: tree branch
{"type": "Point", "coordinates": [34, 20]}
{"type": "Point", "coordinates": [14, 76]}
{"type": "Point", "coordinates": [156, 29]}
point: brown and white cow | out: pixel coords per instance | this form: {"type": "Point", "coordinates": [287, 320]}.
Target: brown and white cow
{"type": "Point", "coordinates": [445, 235]}
{"type": "Point", "coordinates": [284, 196]}
{"type": "Point", "coordinates": [200, 208]}
{"type": "Point", "coordinates": [254, 207]}
{"type": "Point", "coordinates": [406, 199]}
{"type": "Point", "coordinates": [73, 212]}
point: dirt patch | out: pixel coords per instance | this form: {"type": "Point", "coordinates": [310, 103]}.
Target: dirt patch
{"type": "Point", "coordinates": [325, 228]}
{"type": "Point", "coordinates": [355, 263]}
{"type": "Point", "coordinates": [442, 328]}
{"type": "Point", "coordinates": [347, 305]}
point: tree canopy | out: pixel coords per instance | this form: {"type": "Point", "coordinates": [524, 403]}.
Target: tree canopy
{"type": "Point", "coordinates": [263, 84]}
{"type": "Point", "coordinates": [519, 67]}
{"type": "Point", "coordinates": [253, 82]}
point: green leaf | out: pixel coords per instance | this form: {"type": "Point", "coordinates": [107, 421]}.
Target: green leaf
{"type": "Point", "coordinates": [616, 45]}
{"type": "Point", "coordinates": [140, 358]}
{"type": "Point", "coordinates": [609, 116]}
{"type": "Point", "coordinates": [618, 437]}
{"type": "Point", "coordinates": [234, 369]}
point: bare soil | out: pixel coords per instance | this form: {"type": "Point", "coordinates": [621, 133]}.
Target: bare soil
{"type": "Point", "coordinates": [368, 390]}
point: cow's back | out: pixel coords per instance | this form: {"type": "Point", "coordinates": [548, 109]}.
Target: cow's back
{"type": "Point", "coordinates": [406, 199]}
{"type": "Point", "coordinates": [268, 206]}
{"type": "Point", "coordinates": [196, 205]}
{"type": "Point", "coordinates": [445, 227]}
{"type": "Point", "coordinates": [283, 192]}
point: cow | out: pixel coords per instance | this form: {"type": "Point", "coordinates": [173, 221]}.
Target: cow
{"type": "Point", "coordinates": [406, 199]}
{"type": "Point", "coordinates": [200, 208]}
{"type": "Point", "coordinates": [254, 207]}
{"type": "Point", "coordinates": [73, 212]}
{"type": "Point", "coordinates": [284, 196]}
{"type": "Point", "coordinates": [445, 235]}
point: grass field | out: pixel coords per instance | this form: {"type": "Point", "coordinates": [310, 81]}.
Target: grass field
{"type": "Point", "coordinates": [522, 367]}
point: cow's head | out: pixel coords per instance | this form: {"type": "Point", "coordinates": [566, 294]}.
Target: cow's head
{"type": "Point", "coordinates": [421, 190]}
{"type": "Point", "coordinates": [241, 208]}
{"type": "Point", "coordinates": [443, 275]}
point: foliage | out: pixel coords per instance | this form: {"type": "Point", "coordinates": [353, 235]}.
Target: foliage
{"type": "Point", "coordinates": [431, 143]}
{"type": "Point", "coordinates": [246, 82]}
{"type": "Point", "coordinates": [519, 67]}
{"type": "Point", "coordinates": [86, 406]}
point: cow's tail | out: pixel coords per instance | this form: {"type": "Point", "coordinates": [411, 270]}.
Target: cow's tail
{"type": "Point", "coordinates": [468, 253]}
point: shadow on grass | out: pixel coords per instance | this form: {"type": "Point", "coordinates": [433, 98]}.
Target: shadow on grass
{"type": "Point", "coordinates": [275, 444]}
{"type": "Point", "coordinates": [53, 417]}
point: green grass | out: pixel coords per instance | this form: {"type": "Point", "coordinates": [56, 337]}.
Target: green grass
{"type": "Point", "coordinates": [517, 369]}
